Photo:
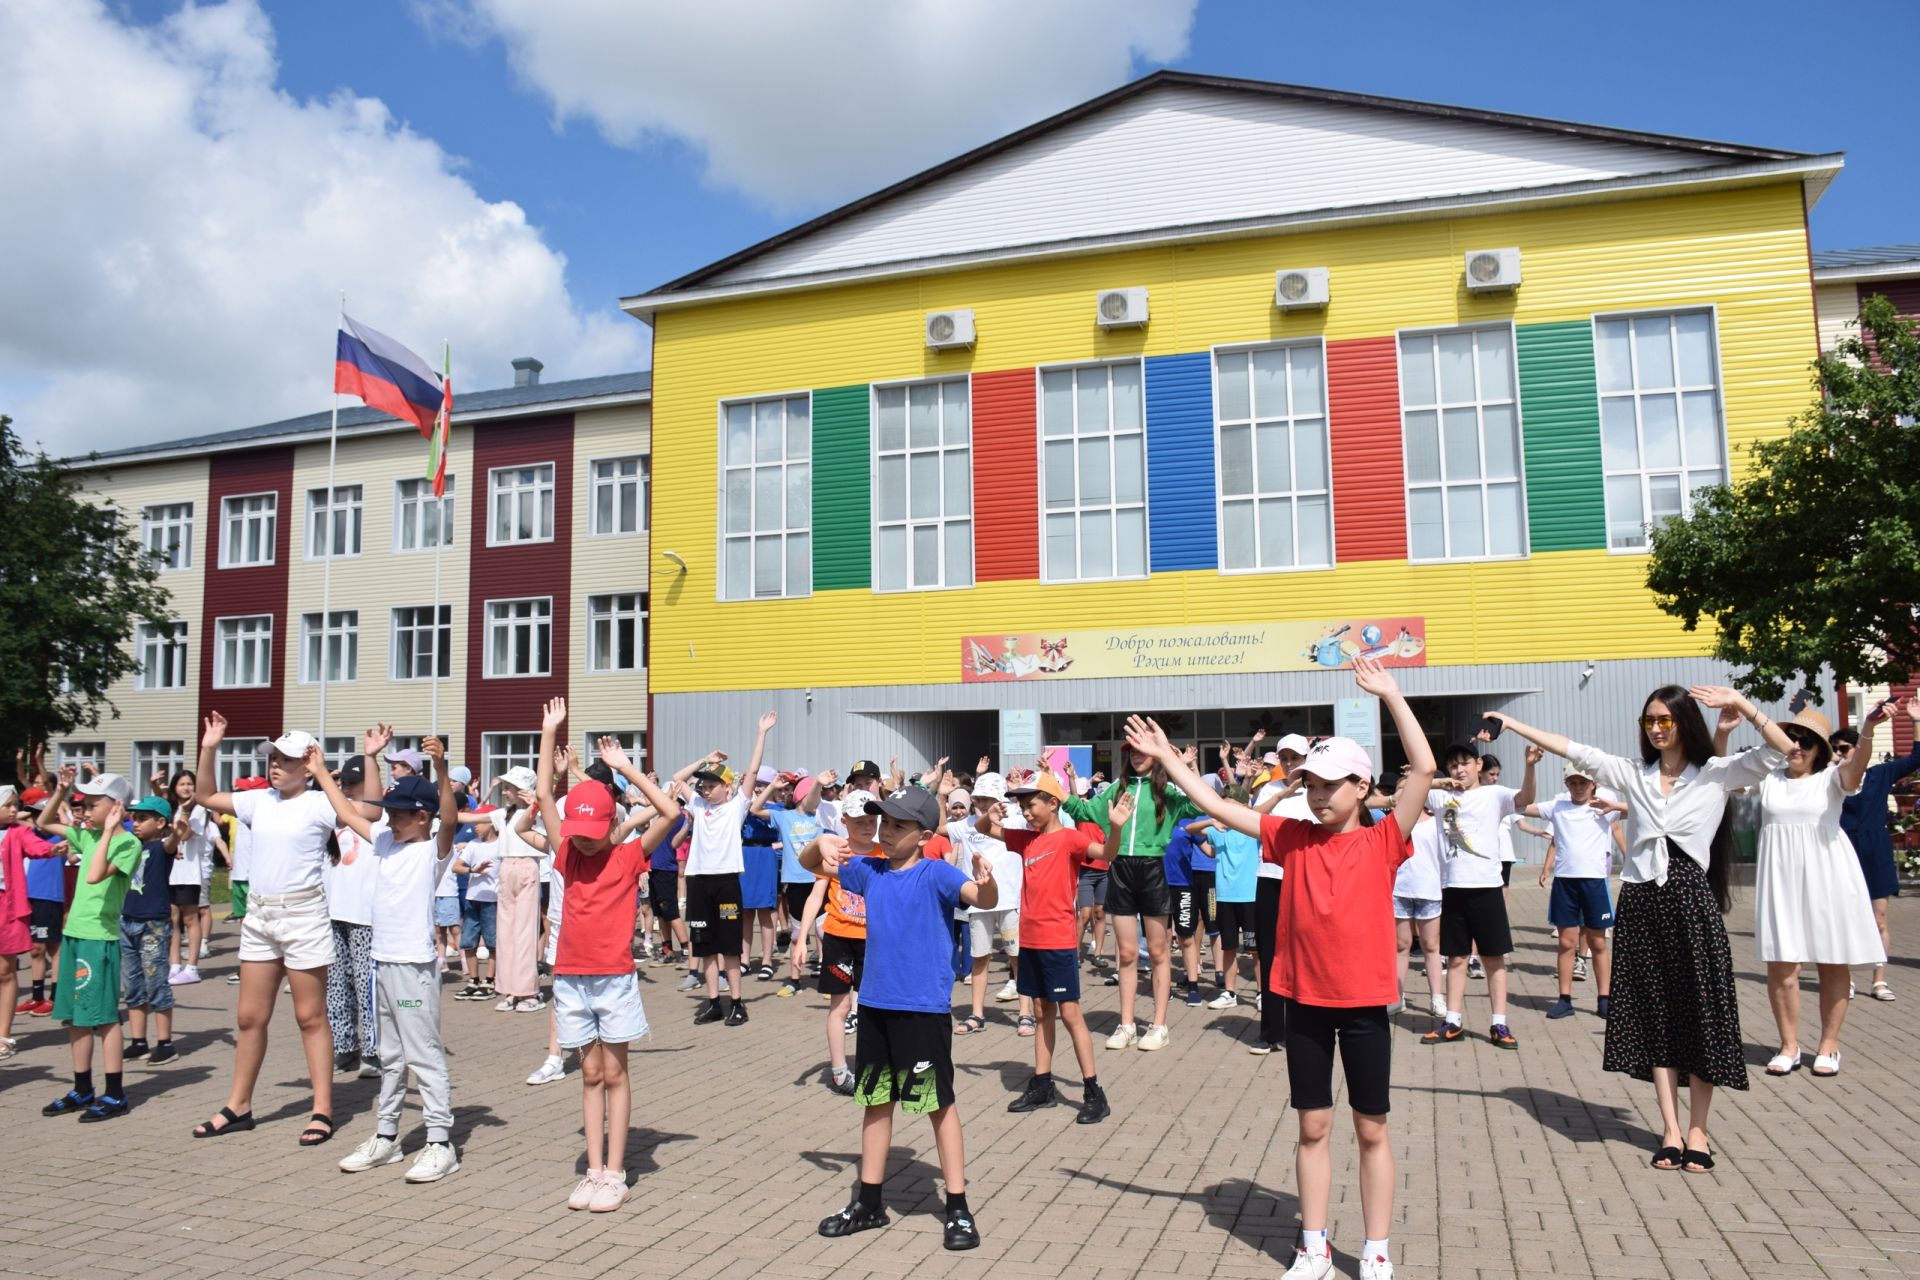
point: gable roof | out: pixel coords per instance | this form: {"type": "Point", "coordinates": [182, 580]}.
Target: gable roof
{"type": "Point", "coordinates": [469, 406]}
{"type": "Point", "coordinates": [1155, 158]}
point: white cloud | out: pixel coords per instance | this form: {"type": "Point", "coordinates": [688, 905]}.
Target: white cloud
{"type": "Point", "coordinates": [798, 102]}
{"type": "Point", "coordinates": [179, 230]}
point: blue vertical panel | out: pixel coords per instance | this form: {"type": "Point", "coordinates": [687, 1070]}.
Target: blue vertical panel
{"type": "Point", "coordinates": [1180, 487]}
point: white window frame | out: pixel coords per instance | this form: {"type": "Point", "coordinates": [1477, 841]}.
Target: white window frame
{"type": "Point", "coordinates": [340, 748]}
{"type": "Point", "coordinates": [787, 533]}
{"type": "Point", "coordinates": [1112, 505]}
{"type": "Point", "coordinates": [500, 752]}
{"type": "Point", "coordinates": [441, 657]}
{"type": "Point", "coordinates": [267, 516]}
{"type": "Point", "coordinates": [948, 576]}
{"type": "Point", "coordinates": [324, 516]}
{"type": "Point", "coordinates": [1643, 471]}
{"type": "Point", "coordinates": [257, 635]}
{"type": "Point", "coordinates": [238, 758]}
{"type": "Point", "coordinates": [169, 651]}
{"type": "Point", "coordinates": [79, 753]}
{"type": "Point", "coordinates": [148, 754]}
{"type": "Point", "coordinates": [412, 499]}
{"type": "Point", "coordinates": [500, 628]}
{"type": "Point", "coordinates": [343, 633]}
{"type": "Point", "coordinates": [1258, 497]}
{"type": "Point", "coordinates": [641, 481]}
{"type": "Point", "coordinates": [504, 485]}
{"type": "Point", "coordinates": [632, 741]}
{"type": "Point", "coordinates": [158, 520]}
{"type": "Point", "coordinates": [605, 607]}
{"type": "Point", "coordinates": [1479, 405]}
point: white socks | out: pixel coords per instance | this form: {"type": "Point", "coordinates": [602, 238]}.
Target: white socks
{"type": "Point", "coordinates": [1456, 1016]}
{"type": "Point", "coordinates": [1375, 1251]}
{"type": "Point", "coordinates": [1315, 1243]}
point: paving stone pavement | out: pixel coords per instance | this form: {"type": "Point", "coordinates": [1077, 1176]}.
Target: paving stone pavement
{"type": "Point", "coordinates": [1510, 1164]}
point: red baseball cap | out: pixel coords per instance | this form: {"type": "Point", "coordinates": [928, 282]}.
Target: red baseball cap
{"type": "Point", "coordinates": [588, 811]}
{"type": "Point", "coordinates": [33, 797]}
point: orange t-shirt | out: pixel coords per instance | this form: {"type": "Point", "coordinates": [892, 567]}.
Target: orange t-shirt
{"type": "Point", "coordinates": [846, 912]}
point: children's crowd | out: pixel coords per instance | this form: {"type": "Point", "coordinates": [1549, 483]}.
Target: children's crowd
{"type": "Point", "coordinates": [366, 890]}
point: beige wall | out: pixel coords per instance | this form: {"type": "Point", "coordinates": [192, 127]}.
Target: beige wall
{"type": "Point", "coordinates": [605, 565]}
{"type": "Point", "coordinates": [1836, 306]}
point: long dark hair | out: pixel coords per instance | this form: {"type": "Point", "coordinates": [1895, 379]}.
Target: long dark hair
{"type": "Point", "coordinates": [1157, 784]}
{"type": "Point", "coordinates": [1696, 744]}
{"type": "Point", "coordinates": [173, 785]}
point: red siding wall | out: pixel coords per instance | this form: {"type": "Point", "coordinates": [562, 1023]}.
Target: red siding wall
{"type": "Point", "coordinates": [1006, 477]}
{"type": "Point", "coordinates": [1903, 294]}
{"type": "Point", "coordinates": [250, 713]}
{"type": "Point", "coordinates": [1369, 486]}
{"type": "Point", "coordinates": [517, 572]}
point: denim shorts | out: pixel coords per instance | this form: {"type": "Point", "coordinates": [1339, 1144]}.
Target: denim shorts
{"type": "Point", "coordinates": [446, 912]}
{"type": "Point", "coordinates": [601, 1006]}
{"type": "Point", "coordinates": [476, 924]}
{"type": "Point", "coordinates": [143, 964]}
{"type": "Point", "coordinates": [1415, 908]}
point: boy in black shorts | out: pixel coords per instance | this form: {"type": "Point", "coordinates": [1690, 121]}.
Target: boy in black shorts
{"type": "Point", "coordinates": [904, 1054]}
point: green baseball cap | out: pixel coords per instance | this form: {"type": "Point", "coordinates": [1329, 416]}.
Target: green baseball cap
{"type": "Point", "coordinates": [153, 804]}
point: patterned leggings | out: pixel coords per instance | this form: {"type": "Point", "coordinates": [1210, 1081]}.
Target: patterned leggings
{"type": "Point", "coordinates": [350, 989]}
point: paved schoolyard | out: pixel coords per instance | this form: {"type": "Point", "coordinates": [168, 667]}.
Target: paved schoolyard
{"type": "Point", "coordinates": [1527, 1164]}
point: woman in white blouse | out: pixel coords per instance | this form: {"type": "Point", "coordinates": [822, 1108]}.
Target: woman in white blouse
{"type": "Point", "coordinates": [1674, 1018]}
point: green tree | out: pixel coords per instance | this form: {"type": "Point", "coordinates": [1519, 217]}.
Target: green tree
{"type": "Point", "coordinates": [74, 584]}
{"type": "Point", "coordinates": [1812, 558]}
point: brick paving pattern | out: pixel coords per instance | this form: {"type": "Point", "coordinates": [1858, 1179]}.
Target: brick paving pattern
{"type": "Point", "coordinates": [1510, 1164]}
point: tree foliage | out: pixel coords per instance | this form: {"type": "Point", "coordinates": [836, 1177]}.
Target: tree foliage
{"type": "Point", "coordinates": [74, 584]}
{"type": "Point", "coordinates": [1812, 558]}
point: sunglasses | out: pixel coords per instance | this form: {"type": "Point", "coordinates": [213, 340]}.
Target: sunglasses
{"type": "Point", "coordinates": [1656, 722]}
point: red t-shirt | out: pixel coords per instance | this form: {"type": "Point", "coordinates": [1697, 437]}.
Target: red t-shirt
{"type": "Point", "coordinates": [1098, 834]}
{"type": "Point", "coordinates": [1334, 945]}
{"type": "Point", "coordinates": [1049, 884]}
{"type": "Point", "coordinates": [596, 931]}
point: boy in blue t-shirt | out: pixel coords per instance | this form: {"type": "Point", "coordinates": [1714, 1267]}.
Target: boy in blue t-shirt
{"type": "Point", "coordinates": [904, 1053]}
{"type": "Point", "coordinates": [1236, 880]}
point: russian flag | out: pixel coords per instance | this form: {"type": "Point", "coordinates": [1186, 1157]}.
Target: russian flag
{"type": "Point", "coordinates": [370, 365]}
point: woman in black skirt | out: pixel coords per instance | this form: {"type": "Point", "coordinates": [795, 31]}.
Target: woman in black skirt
{"type": "Point", "coordinates": [1674, 1019]}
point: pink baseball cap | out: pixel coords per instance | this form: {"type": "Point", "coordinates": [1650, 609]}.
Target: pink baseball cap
{"type": "Point", "coordinates": [1335, 759]}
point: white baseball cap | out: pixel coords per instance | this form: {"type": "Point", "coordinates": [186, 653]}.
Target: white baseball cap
{"type": "Point", "coordinates": [292, 744]}
{"type": "Point", "coordinates": [990, 786]}
{"type": "Point", "coordinates": [860, 804]}
{"type": "Point", "coordinates": [106, 784]}
{"type": "Point", "coordinates": [1293, 742]}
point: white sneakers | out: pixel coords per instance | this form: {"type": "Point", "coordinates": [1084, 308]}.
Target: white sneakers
{"type": "Point", "coordinates": [1376, 1269]}
{"type": "Point", "coordinates": [1125, 1036]}
{"type": "Point", "coordinates": [1579, 968]}
{"type": "Point", "coordinates": [551, 1070]}
{"type": "Point", "coordinates": [183, 976]}
{"type": "Point", "coordinates": [1438, 1004]}
{"type": "Point", "coordinates": [374, 1151]}
{"type": "Point", "coordinates": [601, 1191]}
{"type": "Point", "coordinates": [1155, 1038]}
{"type": "Point", "coordinates": [1225, 1000]}
{"type": "Point", "coordinates": [435, 1161]}
{"type": "Point", "coordinates": [1310, 1267]}
{"type": "Point", "coordinates": [1009, 992]}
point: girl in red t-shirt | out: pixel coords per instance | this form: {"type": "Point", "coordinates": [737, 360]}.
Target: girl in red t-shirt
{"type": "Point", "coordinates": [1334, 963]}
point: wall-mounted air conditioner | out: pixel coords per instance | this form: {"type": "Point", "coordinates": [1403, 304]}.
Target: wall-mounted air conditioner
{"type": "Point", "coordinates": [1300, 288]}
{"type": "Point", "coordinates": [1492, 270]}
{"type": "Point", "coordinates": [947, 329]}
{"type": "Point", "coordinates": [1121, 308]}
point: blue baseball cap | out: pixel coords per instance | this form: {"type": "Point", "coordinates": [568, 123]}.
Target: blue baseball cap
{"type": "Point", "coordinates": [412, 794]}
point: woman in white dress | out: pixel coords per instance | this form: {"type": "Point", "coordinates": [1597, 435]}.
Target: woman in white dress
{"type": "Point", "coordinates": [1810, 898]}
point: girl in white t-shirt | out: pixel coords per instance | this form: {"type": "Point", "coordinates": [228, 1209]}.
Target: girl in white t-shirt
{"type": "Point", "coordinates": [479, 860]}
{"type": "Point", "coordinates": [186, 879]}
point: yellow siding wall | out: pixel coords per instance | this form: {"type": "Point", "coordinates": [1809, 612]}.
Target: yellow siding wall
{"type": "Point", "coordinates": [1743, 252]}
{"type": "Point", "coordinates": [601, 566]}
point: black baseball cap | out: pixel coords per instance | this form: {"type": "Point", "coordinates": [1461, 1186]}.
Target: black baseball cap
{"type": "Point", "coordinates": [601, 772]}
{"type": "Point", "coordinates": [870, 767]}
{"type": "Point", "coordinates": [353, 772]}
{"type": "Point", "coordinates": [915, 805]}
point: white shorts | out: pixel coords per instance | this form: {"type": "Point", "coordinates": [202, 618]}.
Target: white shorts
{"type": "Point", "coordinates": [603, 1007]}
{"type": "Point", "coordinates": [1415, 908]}
{"type": "Point", "coordinates": [553, 943]}
{"type": "Point", "coordinates": [984, 927]}
{"type": "Point", "coordinates": [293, 928]}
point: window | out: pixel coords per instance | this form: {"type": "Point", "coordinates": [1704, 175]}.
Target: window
{"type": "Point", "coordinates": [619, 496]}
{"type": "Point", "coordinates": [766, 482]}
{"type": "Point", "coordinates": [412, 741]}
{"type": "Point", "coordinates": [519, 634]}
{"type": "Point", "coordinates": [420, 520]}
{"type": "Point", "coordinates": [333, 526]}
{"type": "Point", "coordinates": [238, 758]}
{"type": "Point", "coordinates": [248, 530]}
{"type": "Point", "coordinates": [1462, 424]}
{"type": "Point", "coordinates": [338, 750]}
{"type": "Point", "coordinates": [163, 656]}
{"type": "Point", "coordinates": [522, 505]}
{"type": "Point", "coordinates": [166, 530]}
{"type": "Point", "coordinates": [422, 648]}
{"type": "Point", "coordinates": [149, 758]}
{"type": "Point", "coordinates": [504, 751]}
{"type": "Point", "coordinates": [631, 741]}
{"type": "Point", "coordinates": [616, 632]}
{"type": "Point", "coordinates": [244, 658]}
{"type": "Point", "coordinates": [1660, 431]}
{"type": "Point", "coordinates": [334, 649]}
{"type": "Point", "coordinates": [81, 754]}
{"type": "Point", "coordinates": [1093, 426]}
{"type": "Point", "coordinates": [1270, 414]}
{"type": "Point", "coordinates": [923, 486]}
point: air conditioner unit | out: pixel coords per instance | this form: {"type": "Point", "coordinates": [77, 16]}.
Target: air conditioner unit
{"type": "Point", "coordinates": [946, 329]}
{"type": "Point", "coordinates": [1121, 308]}
{"type": "Point", "coordinates": [1299, 288]}
{"type": "Point", "coordinates": [1492, 270]}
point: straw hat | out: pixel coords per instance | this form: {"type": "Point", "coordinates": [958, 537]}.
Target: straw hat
{"type": "Point", "coordinates": [1813, 721]}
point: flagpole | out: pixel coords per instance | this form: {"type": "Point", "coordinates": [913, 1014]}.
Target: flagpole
{"type": "Point", "coordinates": [326, 564]}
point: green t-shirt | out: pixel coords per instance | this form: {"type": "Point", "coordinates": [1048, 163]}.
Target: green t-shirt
{"type": "Point", "coordinates": [95, 912]}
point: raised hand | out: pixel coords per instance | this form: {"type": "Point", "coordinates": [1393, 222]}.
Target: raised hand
{"type": "Point", "coordinates": [1259, 736]}
{"type": "Point", "coordinates": [1189, 755]}
{"type": "Point", "coordinates": [1534, 755]}
{"type": "Point", "coordinates": [214, 731]}
{"type": "Point", "coordinates": [158, 781]}
{"type": "Point", "coordinates": [1148, 738]}
{"type": "Point", "coordinates": [1120, 811]}
{"type": "Point", "coordinates": [1728, 720]}
{"type": "Point", "coordinates": [377, 739]}
{"type": "Point", "coordinates": [1374, 678]}
{"type": "Point", "coordinates": [67, 775]}
{"type": "Point", "coordinates": [93, 770]}
{"type": "Point", "coordinates": [315, 761]}
{"type": "Point", "coordinates": [434, 749]}
{"type": "Point", "coordinates": [1719, 697]}
{"type": "Point", "coordinates": [112, 814]}
{"type": "Point", "coordinates": [983, 765]}
{"type": "Point", "coordinates": [768, 720]}
{"type": "Point", "coordinates": [982, 870]}
{"type": "Point", "coordinates": [553, 715]}
{"type": "Point", "coordinates": [612, 754]}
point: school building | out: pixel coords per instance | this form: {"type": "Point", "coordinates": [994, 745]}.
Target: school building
{"type": "Point", "coordinates": [1172, 402]}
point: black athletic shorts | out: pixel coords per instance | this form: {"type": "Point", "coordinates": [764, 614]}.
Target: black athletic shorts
{"type": "Point", "coordinates": [1506, 873]}
{"type": "Point", "coordinates": [46, 918]}
{"type": "Point", "coordinates": [713, 914]}
{"type": "Point", "coordinates": [663, 895]}
{"type": "Point", "coordinates": [1472, 918]}
{"type": "Point", "coordinates": [184, 895]}
{"type": "Point", "coordinates": [841, 960]}
{"type": "Point", "coordinates": [1193, 909]}
{"type": "Point", "coordinates": [795, 896]}
{"type": "Point", "coordinates": [1138, 887]}
{"type": "Point", "coordinates": [905, 1057]}
{"type": "Point", "coordinates": [1233, 919]}
{"type": "Point", "coordinates": [1366, 1055]}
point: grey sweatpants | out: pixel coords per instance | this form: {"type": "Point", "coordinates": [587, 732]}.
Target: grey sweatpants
{"type": "Point", "coordinates": [409, 1000]}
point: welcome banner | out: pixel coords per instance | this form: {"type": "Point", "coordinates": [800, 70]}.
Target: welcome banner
{"type": "Point", "coordinates": [1191, 651]}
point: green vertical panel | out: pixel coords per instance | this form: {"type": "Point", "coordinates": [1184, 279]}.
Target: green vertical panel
{"type": "Point", "coordinates": [1566, 491]}
{"type": "Point", "coordinates": [842, 498]}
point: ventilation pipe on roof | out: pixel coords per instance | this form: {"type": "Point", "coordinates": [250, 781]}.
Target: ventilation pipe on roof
{"type": "Point", "coordinates": [526, 372]}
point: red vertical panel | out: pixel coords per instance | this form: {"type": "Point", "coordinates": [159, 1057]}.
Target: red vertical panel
{"type": "Point", "coordinates": [250, 713]}
{"type": "Point", "coordinates": [1369, 487]}
{"type": "Point", "coordinates": [1006, 477]}
{"type": "Point", "coordinates": [517, 572]}
{"type": "Point", "coordinates": [1903, 294]}
{"type": "Point", "coordinates": [1903, 727]}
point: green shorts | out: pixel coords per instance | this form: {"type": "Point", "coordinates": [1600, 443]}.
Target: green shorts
{"type": "Point", "coordinates": [237, 893]}
{"type": "Point", "coordinates": [88, 994]}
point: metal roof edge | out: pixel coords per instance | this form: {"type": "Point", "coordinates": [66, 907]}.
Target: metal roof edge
{"type": "Point", "coordinates": [1869, 271]}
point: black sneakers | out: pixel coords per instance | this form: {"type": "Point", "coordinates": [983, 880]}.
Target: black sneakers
{"type": "Point", "coordinates": [162, 1053]}
{"type": "Point", "coordinates": [1093, 1106]}
{"type": "Point", "coordinates": [346, 1062]}
{"type": "Point", "coordinates": [710, 1011]}
{"type": "Point", "coordinates": [737, 1015]}
{"type": "Point", "coordinates": [134, 1049]}
{"type": "Point", "coordinates": [1038, 1094]}
{"type": "Point", "coordinates": [857, 1217]}
{"type": "Point", "coordinates": [960, 1232]}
